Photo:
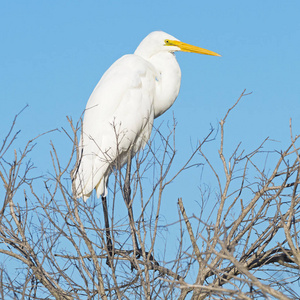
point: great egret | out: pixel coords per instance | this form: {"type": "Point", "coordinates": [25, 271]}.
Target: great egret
{"type": "Point", "coordinates": [119, 115]}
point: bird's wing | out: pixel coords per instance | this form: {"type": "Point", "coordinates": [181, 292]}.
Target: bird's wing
{"type": "Point", "coordinates": [118, 115]}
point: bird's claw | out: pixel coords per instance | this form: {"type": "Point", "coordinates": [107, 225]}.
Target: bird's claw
{"type": "Point", "coordinates": [139, 254]}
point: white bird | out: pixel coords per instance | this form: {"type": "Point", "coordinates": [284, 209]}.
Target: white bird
{"type": "Point", "coordinates": [119, 114]}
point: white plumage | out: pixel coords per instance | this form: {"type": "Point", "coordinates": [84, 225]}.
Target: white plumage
{"type": "Point", "coordinates": [119, 114]}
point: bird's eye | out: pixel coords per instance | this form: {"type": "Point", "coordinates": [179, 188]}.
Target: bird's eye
{"type": "Point", "coordinates": [167, 42]}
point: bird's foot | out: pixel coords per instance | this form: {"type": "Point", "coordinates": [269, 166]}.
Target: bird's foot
{"type": "Point", "coordinates": [110, 251]}
{"type": "Point", "coordinates": [138, 254]}
{"type": "Point", "coordinates": [108, 261]}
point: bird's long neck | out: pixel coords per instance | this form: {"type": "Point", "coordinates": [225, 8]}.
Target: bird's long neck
{"type": "Point", "coordinates": [167, 81]}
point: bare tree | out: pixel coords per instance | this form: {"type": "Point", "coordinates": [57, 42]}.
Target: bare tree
{"type": "Point", "coordinates": [239, 242]}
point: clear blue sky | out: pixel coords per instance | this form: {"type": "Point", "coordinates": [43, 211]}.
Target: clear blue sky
{"type": "Point", "coordinates": [53, 53]}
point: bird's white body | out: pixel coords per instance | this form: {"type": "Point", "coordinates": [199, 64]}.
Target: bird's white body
{"type": "Point", "coordinates": [119, 114]}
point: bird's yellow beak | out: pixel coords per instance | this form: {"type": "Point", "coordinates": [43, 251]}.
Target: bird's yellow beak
{"type": "Point", "coordinates": [190, 48]}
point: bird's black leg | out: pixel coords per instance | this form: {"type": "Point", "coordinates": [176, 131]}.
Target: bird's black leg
{"type": "Point", "coordinates": [127, 198]}
{"type": "Point", "coordinates": [127, 193]}
{"type": "Point", "coordinates": [107, 231]}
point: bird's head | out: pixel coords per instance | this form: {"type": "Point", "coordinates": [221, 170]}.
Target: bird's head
{"type": "Point", "coordinates": [158, 41]}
